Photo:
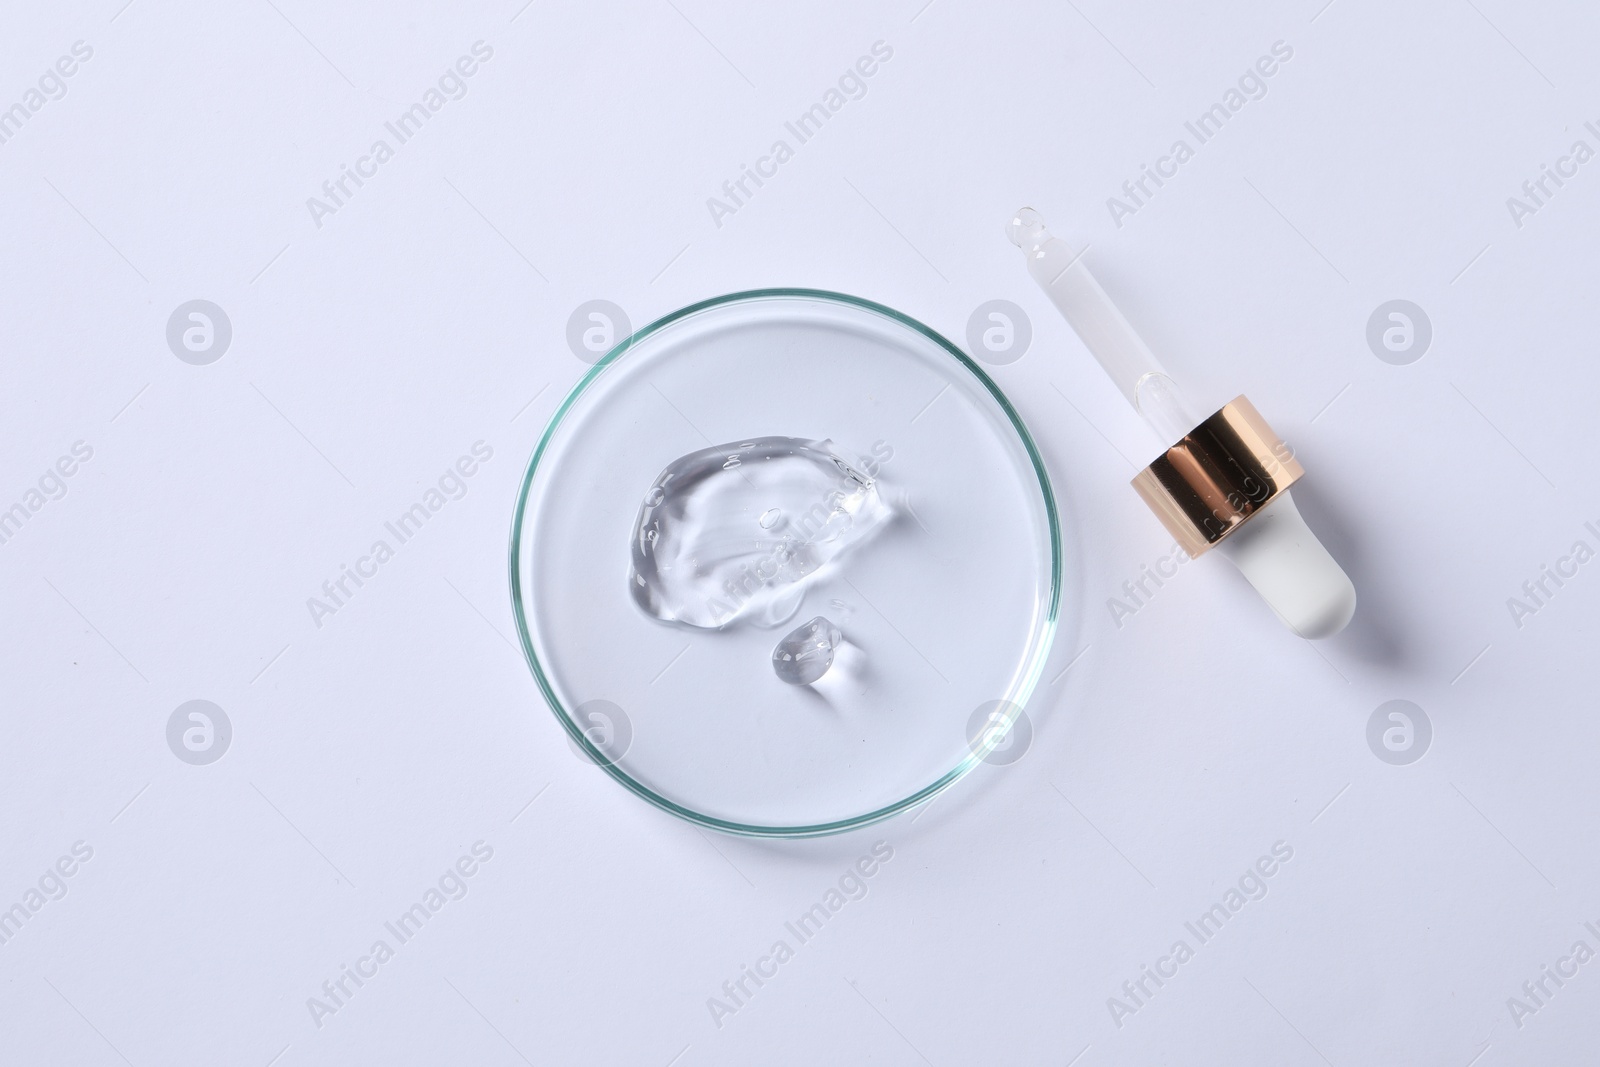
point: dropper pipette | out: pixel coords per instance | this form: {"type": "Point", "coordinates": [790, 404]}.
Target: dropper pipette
{"type": "Point", "coordinates": [1222, 482]}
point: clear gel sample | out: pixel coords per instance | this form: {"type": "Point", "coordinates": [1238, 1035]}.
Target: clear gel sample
{"type": "Point", "coordinates": [734, 532]}
{"type": "Point", "coordinates": [806, 654]}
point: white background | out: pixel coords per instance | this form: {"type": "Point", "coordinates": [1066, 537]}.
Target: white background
{"type": "Point", "coordinates": [429, 313]}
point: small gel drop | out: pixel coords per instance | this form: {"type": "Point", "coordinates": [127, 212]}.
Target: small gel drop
{"type": "Point", "coordinates": [770, 517]}
{"type": "Point", "coordinates": [806, 654]}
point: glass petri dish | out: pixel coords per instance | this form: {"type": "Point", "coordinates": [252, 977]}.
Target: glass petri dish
{"type": "Point", "coordinates": [947, 612]}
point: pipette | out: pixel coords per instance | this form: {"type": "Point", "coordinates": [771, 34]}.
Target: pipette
{"type": "Point", "coordinates": [1224, 481]}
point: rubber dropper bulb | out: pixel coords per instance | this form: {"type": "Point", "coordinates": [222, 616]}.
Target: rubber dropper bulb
{"type": "Point", "coordinates": [1292, 570]}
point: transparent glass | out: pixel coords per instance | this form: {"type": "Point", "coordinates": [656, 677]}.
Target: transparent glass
{"type": "Point", "coordinates": [1164, 409]}
{"type": "Point", "coordinates": [948, 609]}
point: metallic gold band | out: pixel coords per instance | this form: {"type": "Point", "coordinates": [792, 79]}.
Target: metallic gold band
{"type": "Point", "coordinates": [1221, 472]}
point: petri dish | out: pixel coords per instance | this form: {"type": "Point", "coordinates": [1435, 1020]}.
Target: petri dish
{"type": "Point", "coordinates": [944, 615]}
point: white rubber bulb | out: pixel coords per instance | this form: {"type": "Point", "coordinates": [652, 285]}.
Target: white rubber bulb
{"type": "Point", "coordinates": [1279, 555]}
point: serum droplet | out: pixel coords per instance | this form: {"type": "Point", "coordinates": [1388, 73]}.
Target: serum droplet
{"type": "Point", "coordinates": [806, 654]}
{"type": "Point", "coordinates": [770, 517]}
